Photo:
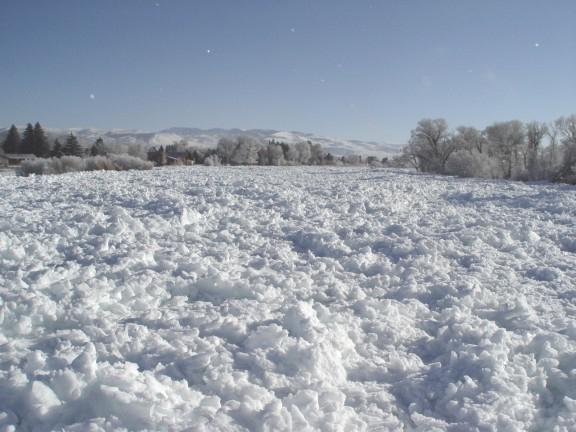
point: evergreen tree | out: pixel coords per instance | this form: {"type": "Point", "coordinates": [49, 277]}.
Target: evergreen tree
{"type": "Point", "coordinates": [27, 145]}
{"type": "Point", "coordinates": [41, 146]}
{"type": "Point", "coordinates": [12, 142]}
{"type": "Point", "coordinates": [57, 150]}
{"type": "Point", "coordinates": [98, 148]}
{"type": "Point", "coordinates": [72, 147]}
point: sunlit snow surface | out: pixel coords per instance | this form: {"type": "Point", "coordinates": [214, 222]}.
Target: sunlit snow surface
{"type": "Point", "coordinates": [273, 299]}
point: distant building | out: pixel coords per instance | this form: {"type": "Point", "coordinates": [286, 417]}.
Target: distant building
{"type": "Point", "coordinates": [168, 156]}
{"type": "Point", "coordinates": [14, 159]}
{"type": "Point", "coordinates": [158, 156]}
{"type": "Point", "coordinates": [179, 158]}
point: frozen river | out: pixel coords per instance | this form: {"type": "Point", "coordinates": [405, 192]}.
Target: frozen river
{"type": "Point", "coordinates": [277, 299]}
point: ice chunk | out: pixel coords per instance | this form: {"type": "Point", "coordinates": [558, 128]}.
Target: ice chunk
{"type": "Point", "coordinates": [42, 401]}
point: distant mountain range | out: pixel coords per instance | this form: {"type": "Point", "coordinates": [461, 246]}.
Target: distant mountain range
{"type": "Point", "coordinates": [210, 137]}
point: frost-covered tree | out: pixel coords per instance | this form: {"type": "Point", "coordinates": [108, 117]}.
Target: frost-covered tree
{"type": "Point", "coordinates": [506, 141]}
{"type": "Point", "coordinates": [472, 163]}
{"type": "Point", "coordinates": [225, 149]}
{"type": "Point", "coordinates": [303, 153]}
{"type": "Point", "coordinates": [212, 160]}
{"type": "Point", "coordinates": [352, 159]}
{"type": "Point", "coordinates": [430, 145]}
{"type": "Point", "coordinates": [245, 151]}
{"type": "Point", "coordinates": [567, 132]}
{"type": "Point", "coordinates": [276, 154]}
{"type": "Point", "coordinates": [263, 156]}
{"type": "Point", "coordinates": [469, 138]}
{"type": "Point", "coordinates": [508, 149]}
{"type": "Point", "coordinates": [12, 141]}
{"type": "Point", "coordinates": [316, 153]}
{"type": "Point", "coordinates": [291, 154]}
{"type": "Point", "coordinates": [551, 154]}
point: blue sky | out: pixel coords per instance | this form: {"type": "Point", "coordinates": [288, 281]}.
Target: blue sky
{"type": "Point", "coordinates": [352, 69]}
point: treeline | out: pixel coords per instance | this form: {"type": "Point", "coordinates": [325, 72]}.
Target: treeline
{"type": "Point", "coordinates": [508, 150]}
{"type": "Point", "coordinates": [246, 151]}
{"type": "Point", "coordinates": [57, 158]}
{"type": "Point", "coordinates": [249, 151]}
{"type": "Point", "coordinates": [34, 141]}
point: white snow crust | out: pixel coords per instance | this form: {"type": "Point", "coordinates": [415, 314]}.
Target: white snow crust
{"type": "Point", "coordinates": [286, 299]}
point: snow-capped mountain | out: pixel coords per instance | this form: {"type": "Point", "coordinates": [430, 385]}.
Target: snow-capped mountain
{"type": "Point", "coordinates": [210, 138]}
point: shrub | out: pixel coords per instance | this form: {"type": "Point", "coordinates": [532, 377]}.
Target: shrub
{"type": "Point", "coordinates": [98, 163]}
{"type": "Point", "coordinates": [464, 163]}
{"type": "Point", "coordinates": [125, 162]}
{"type": "Point", "coordinates": [212, 160]}
{"type": "Point", "coordinates": [66, 164]}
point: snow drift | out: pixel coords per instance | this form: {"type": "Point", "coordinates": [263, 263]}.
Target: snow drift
{"type": "Point", "coordinates": [270, 299]}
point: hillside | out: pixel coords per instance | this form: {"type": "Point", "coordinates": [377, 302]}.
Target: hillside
{"type": "Point", "coordinates": [276, 299]}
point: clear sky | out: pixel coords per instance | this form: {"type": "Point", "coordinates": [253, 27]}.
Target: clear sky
{"type": "Point", "coordinates": [363, 69]}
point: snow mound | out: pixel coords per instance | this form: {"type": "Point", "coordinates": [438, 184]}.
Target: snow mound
{"type": "Point", "coordinates": [285, 299]}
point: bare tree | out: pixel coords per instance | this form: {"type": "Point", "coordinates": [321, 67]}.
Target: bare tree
{"type": "Point", "coordinates": [567, 130]}
{"type": "Point", "coordinates": [225, 149]}
{"type": "Point", "coordinates": [552, 155]}
{"type": "Point", "coordinates": [535, 133]}
{"type": "Point", "coordinates": [469, 138]}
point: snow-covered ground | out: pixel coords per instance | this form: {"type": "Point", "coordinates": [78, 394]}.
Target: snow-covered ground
{"type": "Point", "coordinates": [272, 299]}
